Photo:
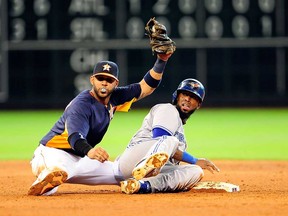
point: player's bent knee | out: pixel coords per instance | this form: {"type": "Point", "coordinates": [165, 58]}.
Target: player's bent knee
{"type": "Point", "coordinates": [192, 174]}
{"type": "Point", "coordinates": [200, 172]}
{"type": "Point", "coordinates": [196, 172]}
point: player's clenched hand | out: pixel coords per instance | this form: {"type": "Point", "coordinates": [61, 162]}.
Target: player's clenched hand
{"type": "Point", "coordinates": [164, 57]}
{"type": "Point", "coordinates": [99, 154]}
{"type": "Point", "coordinates": [206, 164]}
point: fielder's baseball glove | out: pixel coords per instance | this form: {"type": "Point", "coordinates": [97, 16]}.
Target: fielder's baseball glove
{"type": "Point", "coordinates": [159, 40]}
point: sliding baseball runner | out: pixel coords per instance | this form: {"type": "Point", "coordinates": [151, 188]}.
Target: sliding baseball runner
{"type": "Point", "coordinates": [151, 161]}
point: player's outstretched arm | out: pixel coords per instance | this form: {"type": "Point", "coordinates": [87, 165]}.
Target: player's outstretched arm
{"type": "Point", "coordinates": [153, 77]}
{"type": "Point", "coordinates": [161, 45]}
{"type": "Point", "coordinates": [202, 162]}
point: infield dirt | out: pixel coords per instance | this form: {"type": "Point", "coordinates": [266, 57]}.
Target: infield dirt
{"type": "Point", "coordinates": [263, 185]}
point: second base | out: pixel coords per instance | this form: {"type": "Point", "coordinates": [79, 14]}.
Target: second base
{"type": "Point", "coordinates": [211, 185]}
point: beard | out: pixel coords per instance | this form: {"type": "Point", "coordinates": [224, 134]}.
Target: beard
{"type": "Point", "coordinates": [184, 116]}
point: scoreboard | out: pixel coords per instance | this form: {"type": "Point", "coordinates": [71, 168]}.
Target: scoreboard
{"type": "Point", "coordinates": [237, 48]}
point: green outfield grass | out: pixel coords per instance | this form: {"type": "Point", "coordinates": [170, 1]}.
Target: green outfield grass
{"type": "Point", "coordinates": [260, 134]}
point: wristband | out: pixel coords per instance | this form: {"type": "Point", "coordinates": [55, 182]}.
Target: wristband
{"type": "Point", "coordinates": [186, 157]}
{"type": "Point", "coordinates": [153, 83]}
{"type": "Point", "coordinates": [73, 138]}
{"type": "Point", "coordinates": [159, 66]}
{"type": "Point", "coordinates": [79, 144]}
{"type": "Point", "coordinates": [82, 147]}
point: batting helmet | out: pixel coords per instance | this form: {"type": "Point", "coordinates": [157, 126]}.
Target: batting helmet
{"type": "Point", "coordinates": [190, 85]}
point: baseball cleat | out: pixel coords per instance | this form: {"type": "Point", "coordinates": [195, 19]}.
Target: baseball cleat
{"type": "Point", "coordinates": [133, 186]}
{"type": "Point", "coordinates": [51, 181]}
{"type": "Point", "coordinates": [130, 186]}
{"type": "Point", "coordinates": [150, 166]}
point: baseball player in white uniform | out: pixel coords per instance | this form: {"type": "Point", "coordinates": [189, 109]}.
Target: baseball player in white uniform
{"type": "Point", "coordinates": [151, 161]}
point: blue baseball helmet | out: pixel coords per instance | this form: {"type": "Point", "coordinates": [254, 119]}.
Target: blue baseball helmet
{"type": "Point", "coordinates": [190, 85]}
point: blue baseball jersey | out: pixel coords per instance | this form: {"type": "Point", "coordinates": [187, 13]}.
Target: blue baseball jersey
{"type": "Point", "coordinates": [87, 116]}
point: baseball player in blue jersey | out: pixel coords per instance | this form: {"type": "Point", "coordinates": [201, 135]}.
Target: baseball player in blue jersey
{"type": "Point", "coordinates": [67, 153]}
{"type": "Point", "coordinates": [151, 161]}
